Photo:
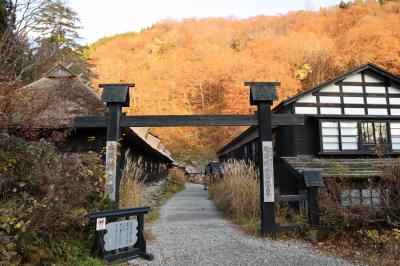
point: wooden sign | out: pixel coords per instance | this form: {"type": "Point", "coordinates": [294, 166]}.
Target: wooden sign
{"type": "Point", "coordinates": [268, 171]}
{"type": "Point", "coordinates": [121, 239]}
{"type": "Point", "coordinates": [111, 169]}
{"type": "Point", "coordinates": [120, 234]}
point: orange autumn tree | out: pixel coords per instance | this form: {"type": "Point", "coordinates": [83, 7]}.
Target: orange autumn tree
{"type": "Point", "coordinates": [198, 66]}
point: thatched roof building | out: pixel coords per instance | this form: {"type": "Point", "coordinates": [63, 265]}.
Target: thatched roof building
{"type": "Point", "coordinates": [54, 101]}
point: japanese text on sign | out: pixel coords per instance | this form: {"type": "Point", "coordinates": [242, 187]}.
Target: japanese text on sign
{"type": "Point", "coordinates": [111, 169]}
{"type": "Point", "coordinates": [268, 171]}
{"type": "Point", "coordinates": [120, 234]}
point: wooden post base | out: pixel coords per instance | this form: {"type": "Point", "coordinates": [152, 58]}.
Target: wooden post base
{"type": "Point", "coordinates": [147, 256]}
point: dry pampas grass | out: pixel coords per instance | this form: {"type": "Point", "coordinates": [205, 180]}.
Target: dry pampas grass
{"type": "Point", "coordinates": [131, 187]}
{"type": "Point", "coordinates": [238, 192]}
{"type": "Point", "coordinates": [176, 176]}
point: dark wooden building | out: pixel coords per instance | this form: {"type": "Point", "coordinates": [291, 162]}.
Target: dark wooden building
{"type": "Point", "coordinates": [352, 129]}
{"type": "Point", "coordinates": [49, 106]}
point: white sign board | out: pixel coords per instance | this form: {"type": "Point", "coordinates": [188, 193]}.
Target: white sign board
{"type": "Point", "coordinates": [111, 169]}
{"type": "Point", "coordinates": [120, 234]}
{"type": "Point", "coordinates": [268, 171]}
{"type": "Point", "coordinates": [100, 224]}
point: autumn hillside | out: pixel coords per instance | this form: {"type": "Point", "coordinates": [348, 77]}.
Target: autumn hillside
{"type": "Point", "coordinates": [199, 66]}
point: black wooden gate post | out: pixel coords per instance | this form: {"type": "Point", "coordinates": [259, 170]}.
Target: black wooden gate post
{"type": "Point", "coordinates": [115, 96]}
{"type": "Point", "coordinates": [313, 180]}
{"type": "Point", "coordinates": [263, 94]}
{"type": "Point", "coordinates": [313, 208]}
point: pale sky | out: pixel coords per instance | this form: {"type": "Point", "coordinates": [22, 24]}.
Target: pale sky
{"type": "Point", "coordinates": [104, 17]}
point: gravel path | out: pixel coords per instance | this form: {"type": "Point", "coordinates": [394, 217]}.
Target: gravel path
{"type": "Point", "coordinates": [192, 232]}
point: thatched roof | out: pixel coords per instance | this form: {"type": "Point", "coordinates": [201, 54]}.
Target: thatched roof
{"type": "Point", "coordinates": [54, 101]}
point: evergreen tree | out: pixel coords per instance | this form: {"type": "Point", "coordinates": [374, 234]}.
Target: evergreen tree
{"type": "Point", "coordinates": [3, 15]}
{"type": "Point", "coordinates": [58, 25]}
{"type": "Point", "coordinates": [24, 59]}
{"type": "Point", "coordinates": [382, 2]}
{"type": "Point", "coordinates": [7, 19]}
{"type": "Point", "coordinates": [344, 4]}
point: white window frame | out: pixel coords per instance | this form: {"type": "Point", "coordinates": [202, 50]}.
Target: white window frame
{"type": "Point", "coordinates": [344, 134]}
{"type": "Point", "coordinates": [329, 138]}
{"type": "Point", "coordinates": [395, 135]}
{"type": "Point", "coordinates": [329, 135]}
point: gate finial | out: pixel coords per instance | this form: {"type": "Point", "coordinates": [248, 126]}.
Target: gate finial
{"type": "Point", "coordinates": [262, 91]}
{"type": "Point", "coordinates": [116, 93]}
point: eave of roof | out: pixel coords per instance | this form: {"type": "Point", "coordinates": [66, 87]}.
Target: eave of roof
{"type": "Point", "coordinates": [339, 167]}
{"type": "Point", "coordinates": [137, 138]}
{"type": "Point", "coordinates": [162, 152]}
{"type": "Point", "coordinates": [220, 151]}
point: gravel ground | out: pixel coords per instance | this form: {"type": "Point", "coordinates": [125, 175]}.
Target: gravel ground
{"type": "Point", "coordinates": [192, 232]}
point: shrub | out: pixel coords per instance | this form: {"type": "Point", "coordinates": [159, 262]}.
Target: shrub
{"type": "Point", "coordinates": [131, 187]}
{"type": "Point", "coordinates": [44, 199]}
{"type": "Point", "coordinates": [382, 241]}
{"type": "Point", "coordinates": [389, 187]}
{"type": "Point", "coordinates": [285, 214]}
{"type": "Point", "coordinates": [176, 176]}
{"type": "Point", "coordinates": [368, 246]}
{"type": "Point", "coordinates": [334, 214]}
{"type": "Point", "coordinates": [238, 192]}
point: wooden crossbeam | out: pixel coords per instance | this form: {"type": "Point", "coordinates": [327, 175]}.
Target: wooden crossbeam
{"type": "Point", "coordinates": [289, 198]}
{"type": "Point", "coordinates": [350, 94]}
{"type": "Point", "coordinates": [286, 228]}
{"type": "Point", "coordinates": [189, 120]}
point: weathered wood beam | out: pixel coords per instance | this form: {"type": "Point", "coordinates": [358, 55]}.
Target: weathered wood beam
{"type": "Point", "coordinates": [287, 120]}
{"type": "Point", "coordinates": [350, 94]}
{"type": "Point", "coordinates": [289, 198]}
{"type": "Point", "coordinates": [375, 84]}
{"type": "Point", "coordinates": [189, 120]}
{"type": "Point", "coordinates": [355, 117]}
{"type": "Point", "coordinates": [286, 228]}
{"type": "Point", "coordinates": [347, 105]}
